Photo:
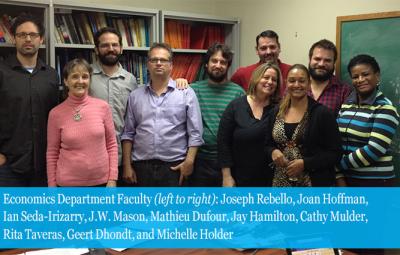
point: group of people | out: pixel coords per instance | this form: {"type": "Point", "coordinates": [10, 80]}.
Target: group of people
{"type": "Point", "coordinates": [271, 124]}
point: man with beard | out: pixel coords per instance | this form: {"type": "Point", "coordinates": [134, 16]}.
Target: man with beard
{"type": "Point", "coordinates": [325, 87]}
{"type": "Point", "coordinates": [28, 91]}
{"type": "Point", "coordinates": [113, 83]}
{"type": "Point", "coordinates": [214, 94]}
{"type": "Point", "coordinates": [267, 49]}
{"type": "Point", "coordinates": [110, 81]}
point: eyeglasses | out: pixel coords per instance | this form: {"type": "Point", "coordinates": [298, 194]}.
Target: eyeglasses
{"type": "Point", "coordinates": [162, 60]}
{"type": "Point", "coordinates": [108, 45]}
{"type": "Point", "coordinates": [24, 35]}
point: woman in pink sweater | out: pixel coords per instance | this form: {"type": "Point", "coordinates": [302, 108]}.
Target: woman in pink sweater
{"type": "Point", "coordinates": [81, 144]}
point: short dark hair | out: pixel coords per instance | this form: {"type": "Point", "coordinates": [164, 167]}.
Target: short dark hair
{"type": "Point", "coordinates": [224, 49]}
{"type": "Point", "coordinates": [366, 60]}
{"type": "Point", "coordinates": [106, 30]}
{"type": "Point", "coordinates": [164, 46]}
{"type": "Point", "coordinates": [27, 17]}
{"type": "Point", "coordinates": [325, 44]}
{"type": "Point", "coordinates": [269, 34]}
{"type": "Point", "coordinates": [69, 67]}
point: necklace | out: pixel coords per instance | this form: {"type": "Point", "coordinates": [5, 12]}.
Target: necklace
{"type": "Point", "coordinates": [77, 115]}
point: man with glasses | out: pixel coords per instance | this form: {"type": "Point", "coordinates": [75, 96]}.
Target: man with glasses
{"type": "Point", "coordinates": [163, 127]}
{"type": "Point", "coordinates": [112, 83]}
{"type": "Point", "coordinates": [28, 91]}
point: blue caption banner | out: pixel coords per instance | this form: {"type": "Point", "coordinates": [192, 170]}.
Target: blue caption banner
{"type": "Point", "coordinates": [200, 217]}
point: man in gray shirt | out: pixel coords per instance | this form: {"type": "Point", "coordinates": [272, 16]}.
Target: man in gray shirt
{"type": "Point", "coordinates": [113, 83]}
{"type": "Point", "coordinates": [110, 81]}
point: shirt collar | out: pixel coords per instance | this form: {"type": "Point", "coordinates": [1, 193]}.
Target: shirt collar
{"type": "Point", "coordinates": [171, 84]}
{"type": "Point", "coordinates": [97, 69]}
{"type": "Point", "coordinates": [14, 63]}
{"type": "Point", "coordinates": [353, 98]}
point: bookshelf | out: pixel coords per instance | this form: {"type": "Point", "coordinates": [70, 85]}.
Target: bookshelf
{"type": "Point", "coordinates": [69, 24]}
{"type": "Point", "coordinates": [191, 34]}
{"type": "Point", "coordinates": [75, 23]}
{"type": "Point", "coordinates": [12, 8]}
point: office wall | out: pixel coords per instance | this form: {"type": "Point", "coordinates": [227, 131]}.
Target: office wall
{"type": "Point", "coordinates": [194, 6]}
{"type": "Point", "coordinates": [298, 23]}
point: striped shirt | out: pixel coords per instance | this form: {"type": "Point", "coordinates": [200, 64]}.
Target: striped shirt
{"type": "Point", "coordinates": [213, 99]}
{"type": "Point", "coordinates": [367, 130]}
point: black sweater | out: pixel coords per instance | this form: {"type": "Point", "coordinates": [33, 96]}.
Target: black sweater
{"type": "Point", "coordinates": [241, 144]}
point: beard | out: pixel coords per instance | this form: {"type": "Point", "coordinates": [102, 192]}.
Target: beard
{"type": "Point", "coordinates": [217, 78]}
{"type": "Point", "coordinates": [28, 52]}
{"type": "Point", "coordinates": [320, 76]}
{"type": "Point", "coordinates": [109, 59]}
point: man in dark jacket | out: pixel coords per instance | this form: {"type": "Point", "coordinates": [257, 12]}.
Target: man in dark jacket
{"type": "Point", "coordinates": [28, 91]}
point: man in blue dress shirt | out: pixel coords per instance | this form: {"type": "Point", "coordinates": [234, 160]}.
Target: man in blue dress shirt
{"type": "Point", "coordinates": [163, 127]}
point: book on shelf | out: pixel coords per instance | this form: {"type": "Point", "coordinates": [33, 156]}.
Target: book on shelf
{"type": "Point", "coordinates": [73, 34]}
{"type": "Point", "coordinates": [136, 64]}
{"type": "Point", "coordinates": [79, 29]}
{"type": "Point", "coordinates": [62, 26]}
{"type": "Point", "coordinates": [101, 19]}
{"type": "Point", "coordinates": [186, 66]}
{"type": "Point", "coordinates": [121, 29]}
{"type": "Point", "coordinates": [92, 22]}
{"type": "Point", "coordinates": [133, 32]}
{"type": "Point", "coordinates": [128, 32]}
{"type": "Point", "coordinates": [57, 31]}
{"type": "Point", "coordinates": [196, 36]}
{"type": "Point", "coordinates": [86, 28]}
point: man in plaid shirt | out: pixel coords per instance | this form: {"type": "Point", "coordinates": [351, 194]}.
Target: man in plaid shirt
{"type": "Point", "coordinates": [326, 88]}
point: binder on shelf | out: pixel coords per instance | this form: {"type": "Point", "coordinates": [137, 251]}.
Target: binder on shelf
{"type": "Point", "coordinates": [186, 66]}
{"type": "Point", "coordinates": [86, 28]}
{"type": "Point", "coordinates": [198, 37]}
{"type": "Point", "coordinates": [142, 28]}
{"type": "Point", "coordinates": [133, 32]}
{"type": "Point", "coordinates": [121, 29]}
{"type": "Point", "coordinates": [62, 27]}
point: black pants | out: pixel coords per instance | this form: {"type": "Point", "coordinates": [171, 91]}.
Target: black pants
{"type": "Point", "coordinates": [206, 173]}
{"type": "Point", "coordinates": [156, 173]}
{"type": "Point", "coordinates": [354, 182]}
{"type": "Point", "coordinates": [9, 178]}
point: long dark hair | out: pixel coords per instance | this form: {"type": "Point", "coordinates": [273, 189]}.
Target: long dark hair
{"type": "Point", "coordinates": [285, 103]}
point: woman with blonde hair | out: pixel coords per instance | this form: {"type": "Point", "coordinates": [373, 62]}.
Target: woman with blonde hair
{"type": "Point", "coordinates": [303, 140]}
{"type": "Point", "coordinates": [242, 127]}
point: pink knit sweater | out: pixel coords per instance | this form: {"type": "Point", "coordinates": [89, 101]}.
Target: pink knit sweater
{"type": "Point", "coordinates": [85, 152]}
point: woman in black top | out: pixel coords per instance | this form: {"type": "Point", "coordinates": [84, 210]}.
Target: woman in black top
{"type": "Point", "coordinates": [303, 139]}
{"type": "Point", "coordinates": [242, 131]}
